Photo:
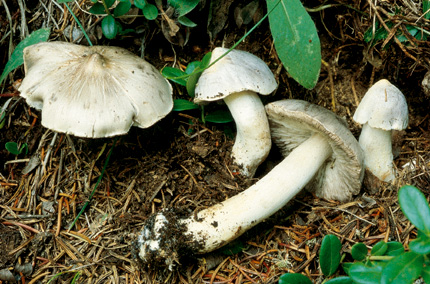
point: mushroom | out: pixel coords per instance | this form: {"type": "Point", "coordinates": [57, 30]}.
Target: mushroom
{"type": "Point", "coordinates": [382, 109]}
{"type": "Point", "coordinates": [96, 91]}
{"type": "Point", "coordinates": [237, 78]}
{"type": "Point", "coordinates": [321, 153]}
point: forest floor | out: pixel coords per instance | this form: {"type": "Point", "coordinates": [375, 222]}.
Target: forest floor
{"type": "Point", "coordinates": [182, 163]}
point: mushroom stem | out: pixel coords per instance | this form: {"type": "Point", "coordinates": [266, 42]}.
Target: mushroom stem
{"type": "Point", "coordinates": [377, 148]}
{"type": "Point", "coordinates": [253, 140]}
{"type": "Point", "coordinates": [213, 227]}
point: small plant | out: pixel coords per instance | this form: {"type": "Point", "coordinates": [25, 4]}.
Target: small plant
{"type": "Point", "coordinates": [111, 27]}
{"type": "Point", "coordinates": [16, 149]}
{"type": "Point", "coordinates": [386, 263]}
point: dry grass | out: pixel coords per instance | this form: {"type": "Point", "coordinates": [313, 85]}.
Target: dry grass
{"type": "Point", "coordinates": [41, 194]}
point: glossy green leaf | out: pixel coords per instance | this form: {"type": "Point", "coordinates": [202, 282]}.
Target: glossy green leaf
{"type": "Point", "coordinates": [403, 269]}
{"type": "Point", "coordinates": [186, 22]}
{"type": "Point", "coordinates": [421, 244]}
{"type": "Point", "coordinates": [363, 274]}
{"type": "Point", "coordinates": [109, 27]}
{"type": "Point", "coordinates": [340, 280]}
{"type": "Point", "coordinates": [171, 73]}
{"type": "Point", "coordinates": [379, 249]}
{"type": "Point", "coordinates": [330, 254]}
{"type": "Point", "coordinates": [17, 59]}
{"type": "Point", "coordinates": [294, 278]}
{"type": "Point", "coordinates": [122, 8]}
{"type": "Point", "coordinates": [296, 40]}
{"type": "Point", "coordinates": [415, 207]}
{"type": "Point", "coordinates": [139, 3]}
{"type": "Point", "coordinates": [359, 251]}
{"type": "Point", "coordinates": [181, 105]}
{"type": "Point", "coordinates": [394, 249]}
{"type": "Point", "coordinates": [98, 9]}
{"type": "Point", "coordinates": [219, 116]}
{"type": "Point", "coordinates": [346, 266]}
{"type": "Point", "coordinates": [195, 75]}
{"type": "Point", "coordinates": [150, 11]}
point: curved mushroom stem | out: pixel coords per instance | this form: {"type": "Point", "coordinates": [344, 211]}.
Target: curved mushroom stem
{"type": "Point", "coordinates": [253, 140]}
{"type": "Point", "coordinates": [213, 227]}
{"type": "Point", "coordinates": [378, 156]}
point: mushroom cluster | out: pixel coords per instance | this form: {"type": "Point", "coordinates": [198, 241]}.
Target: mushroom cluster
{"type": "Point", "coordinates": [237, 78]}
{"type": "Point", "coordinates": [96, 91]}
{"type": "Point", "coordinates": [321, 153]}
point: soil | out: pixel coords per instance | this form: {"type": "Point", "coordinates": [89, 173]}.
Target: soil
{"type": "Point", "coordinates": [185, 164]}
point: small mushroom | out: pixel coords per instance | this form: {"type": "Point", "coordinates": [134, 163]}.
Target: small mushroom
{"type": "Point", "coordinates": [237, 78]}
{"type": "Point", "coordinates": [382, 109]}
{"type": "Point", "coordinates": [96, 91]}
{"type": "Point", "coordinates": [321, 154]}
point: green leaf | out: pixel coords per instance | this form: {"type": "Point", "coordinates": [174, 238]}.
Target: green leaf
{"type": "Point", "coordinates": [109, 27]}
{"type": "Point", "coordinates": [186, 22]}
{"type": "Point", "coordinates": [415, 207]}
{"type": "Point", "coordinates": [359, 251]}
{"type": "Point", "coordinates": [150, 11]}
{"type": "Point", "coordinates": [183, 7]}
{"type": "Point", "coordinates": [340, 280]}
{"type": "Point", "coordinates": [394, 249]}
{"type": "Point", "coordinates": [206, 60]}
{"type": "Point", "coordinates": [379, 249]}
{"type": "Point", "coordinates": [294, 278]}
{"type": "Point", "coordinates": [403, 269]}
{"type": "Point", "coordinates": [425, 274]}
{"type": "Point", "coordinates": [122, 8]}
{"type": "Point", "coordinates": [17, 59]}
{"type": "Point", "coordinates": [192, 66]}
{"type": "Point", "coordinates": [139, 3]}
{"type": "Point", "coordinates": [65, 1]}
{"type": "Point", "coordinates": [426, 7]}
{"type": "Point", "coordinates": [362, 274]}
{"type": "Point", "coordinates": [109, 3]}
{"type": "Point", "coordinates": [330, 254]}
{"type": "Point", "coordinates": [171, 74]}
{"type": "Point", "coordinates": [219, 116]}
{"type": "Point", "coordinates": [195, 75]}
{"type": "Point", "coordinates": [12, 147]}
{"type": "Point", "coordinates": [296, 40]}
{"type": "Point", "coordinates": [421, 244]}
{"type": "Point", "coordinates": [181, 105]}
{"type": "Point", "coordinates": [98, 9]}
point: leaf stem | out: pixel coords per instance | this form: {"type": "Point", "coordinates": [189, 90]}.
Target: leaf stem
{"type": "Point", "coordinates": [79, 24]}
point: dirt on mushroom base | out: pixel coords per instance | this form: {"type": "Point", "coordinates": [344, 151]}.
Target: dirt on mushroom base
{"type": "Point", "coordinates": [289, 241]}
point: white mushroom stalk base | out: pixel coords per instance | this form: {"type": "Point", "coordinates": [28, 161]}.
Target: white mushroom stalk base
{"type": "Point", "coordinates": [164, 238]}
{"type": "Point", "coordinates": [253, 142]}
{"type": "Point", "coordinates": [378, 155]}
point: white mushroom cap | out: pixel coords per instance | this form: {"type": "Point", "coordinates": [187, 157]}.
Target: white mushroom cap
{"type": "Point", "coordinates": [236, 72]}
{"type": "Point", "coordinates": [294, 121]}
{"type": "Point", "coordinates": [382, 109]}
{"type": "Point", "coordinates": [96, 91]}
{"type": "Point", "coordinates": [383, 106]}
{"type": "Point", "coordinates": [237, 78]}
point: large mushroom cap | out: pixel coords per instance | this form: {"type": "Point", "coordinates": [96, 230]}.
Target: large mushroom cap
{"type": "Point", "coordinates": [383, 106]}
{"type": "Point", "coordinates": [236, 72]}
{"type": "Point", "coordinates": [294, 121]}
{"type": "Point", "coordinates": [97, 91]}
